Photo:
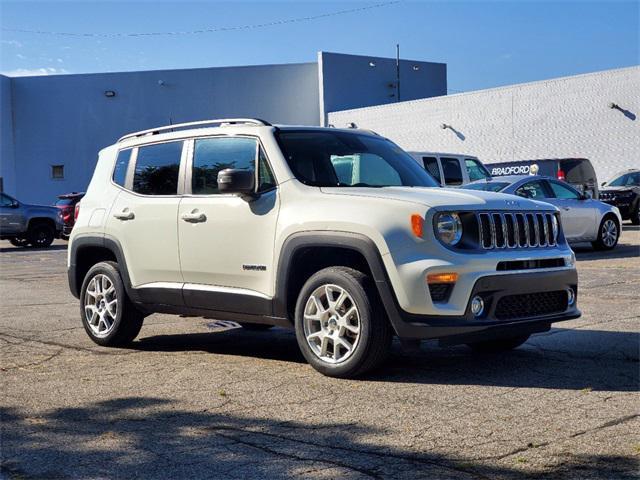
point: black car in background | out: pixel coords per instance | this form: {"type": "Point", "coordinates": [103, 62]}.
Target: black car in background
{"type": "Point", "coordinates": [576, 171]}
{"type": "Point", "coordinates": [624, 192]}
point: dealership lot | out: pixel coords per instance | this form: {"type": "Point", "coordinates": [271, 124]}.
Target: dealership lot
{"type": "Point", "coordinates": [192, 397]}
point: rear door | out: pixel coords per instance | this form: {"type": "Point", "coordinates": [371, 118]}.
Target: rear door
{"type": "Point", "coordinates": [579, 215]}
{"type": "Point", "coordinates": [451, 171]}
{"type": "Point", "coordinates": [10, 216]}
{"type": "Point", "coordinates": [432, 167]}
{"type": "Point", "coordinates": [144, 215]}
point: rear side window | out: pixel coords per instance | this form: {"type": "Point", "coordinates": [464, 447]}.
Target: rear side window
{"type": "Point", "coordinates": [157, 168]}
{"type": "Point", "coordinates": [122, 164]}
{"type": "Point", "coordinates": [431, 166]}
{"type": "Point", "coordinates": [211, 155]}
{"type": "Point", "coordinates": [561, 191]}
{"type": "Point", "coordinates": [452, 171]}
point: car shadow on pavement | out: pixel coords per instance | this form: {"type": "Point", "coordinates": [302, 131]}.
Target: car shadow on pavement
{"type": "Point", "coordinates": [145, 437]}
{"type": "Point", "coordinates": [584, 251]}
{"type": "Point", "coordinates": [13, 249]}
{"type": "Point", "coordinates": [564, 359]}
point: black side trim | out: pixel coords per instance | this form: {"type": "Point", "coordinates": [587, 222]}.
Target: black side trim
{"type": "Point", "coordinates": [227, 302]}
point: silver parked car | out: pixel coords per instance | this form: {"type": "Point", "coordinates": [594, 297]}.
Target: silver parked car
{"type": "Point", "coordinates": [583, 218]}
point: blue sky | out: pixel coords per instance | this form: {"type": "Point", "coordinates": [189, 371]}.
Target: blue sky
{"type": "Point", "coordinates": [485, 44]}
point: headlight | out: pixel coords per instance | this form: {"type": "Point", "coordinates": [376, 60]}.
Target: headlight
{"type": "Point", "coordinates": [448, 228]}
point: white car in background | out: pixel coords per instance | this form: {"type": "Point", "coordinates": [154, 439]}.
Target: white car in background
{"type": "Point", "coordinates": [583, 218]}
{"type": "Point", "coordinates": [451, 169]}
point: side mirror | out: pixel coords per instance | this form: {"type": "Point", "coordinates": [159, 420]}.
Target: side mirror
{"type": "Point", "coordinates": [603, 184]}
{"type": "Point", "coordinates": [15, 204]}
{"type": "Point", "coordinates": [241, 182]}
{"type": "Point", "coordinates": [587, 195]}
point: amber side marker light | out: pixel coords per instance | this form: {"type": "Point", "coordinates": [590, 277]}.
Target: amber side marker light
{"type": "Point", "coordinates": [442, 277]}
{"type": "Point", "coordinates": [417, 225]}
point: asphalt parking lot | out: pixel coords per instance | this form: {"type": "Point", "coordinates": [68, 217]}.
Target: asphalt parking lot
{"type": "Point", "coordinates": [190, 399]}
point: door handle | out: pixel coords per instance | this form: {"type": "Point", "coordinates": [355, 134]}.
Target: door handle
{"type": "Point", "coordinates": [125, 214]}
{"type": "Point", "coordinates": [194, 216]}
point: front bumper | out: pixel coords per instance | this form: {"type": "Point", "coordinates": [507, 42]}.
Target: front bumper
{"type": "Point", "coordinates": [453, 329]}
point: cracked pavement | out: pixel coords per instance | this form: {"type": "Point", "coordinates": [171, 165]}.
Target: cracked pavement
{"type": "Point", "coordinates": [191, 400]}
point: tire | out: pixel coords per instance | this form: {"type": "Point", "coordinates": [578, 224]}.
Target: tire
{"type": "Point", "coordinates": [608, 226]}
{"type": "Point", "coordinates": [255, 327]}
{"type": "Point", "coordinates": [334, 322]}
{"type": "Point", "coordinates": [635, 215]}
{"type": "Point", "coordinates": [500, 345]}
{"type": "Point", "coordinates": [40, 235]}
{"type": "Point", "coordinates": [19, 242]}
{"type": "Point", "coordinates": [101, 324]}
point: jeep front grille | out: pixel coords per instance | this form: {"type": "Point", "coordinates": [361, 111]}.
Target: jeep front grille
{"type": "Point", "coordinates": [517, 229]}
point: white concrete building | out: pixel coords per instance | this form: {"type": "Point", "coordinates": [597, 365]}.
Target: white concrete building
{"type": "Point", "coordinates": [558, 118]}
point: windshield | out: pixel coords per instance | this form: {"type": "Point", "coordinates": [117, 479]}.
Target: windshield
{"type": "Point", "coordinates": [343, 159]}
{"type": "Point", "coordinates": [630, 179]}
{"type": "Point", "coordinates": [486, 186]}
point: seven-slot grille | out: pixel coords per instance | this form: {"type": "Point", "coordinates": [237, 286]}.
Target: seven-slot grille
{"type": "Point", "coordinates": [517, 229]}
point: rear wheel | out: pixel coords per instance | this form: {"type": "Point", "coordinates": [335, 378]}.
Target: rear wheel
{"type": "Point", "coordinates": [108, 316]}
{"type": "Point", "coordinates": [41, 235]}
{"type": "Point", "coordinates": [19, 242]}
{"type": "Point", "coordinates": [499, 345]}
{"type": "Point", "coordinates": [340, 324]}
{"type": "Point", "coordinates": [608, 234]}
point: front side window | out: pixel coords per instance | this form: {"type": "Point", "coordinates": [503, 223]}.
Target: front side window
{"type": "Point", "coordinates": [431, 166]}
{"type": "Point", "coordinates": [475, 169]}
{"type": "Point", "coordinates": [212, 155]}
{"type": "Point", "coordinates": [451, 170]}
{"type": "Point", "coordinates": [323, 158]}
{"type": "Point", "coordinates": [157, 168]}
{"type": "Point", "coordinates": [534, 190]}
{"type": "Point", "coordinates": [6, 200]}
{"type": "Point", "coordinates": [562, 191]}
{"type": "Point", "coordinates": [629, 179]}
{"type": "Point", "coordinates": [122, 164]}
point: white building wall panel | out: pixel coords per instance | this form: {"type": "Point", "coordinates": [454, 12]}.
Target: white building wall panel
{"type": "Point", "coordinates": [564, 117]}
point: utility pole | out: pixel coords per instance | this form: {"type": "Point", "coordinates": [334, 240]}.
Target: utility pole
{"type": "Point", "coordinates": [398, 72]}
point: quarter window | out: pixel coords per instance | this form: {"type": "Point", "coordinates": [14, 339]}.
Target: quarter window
{"type": "Point", "coordinates": [431, 166]}
{"type": "Point", "coordinates": [452, 171]}
{"type": "Point", "coordinates": [122, 164]}
{"type": "Point", "coordinates": [266, 180]}
{"type": "Point", "coordinates": [157, 168]}
{"type": "Point", "coordinates": [211, 155]}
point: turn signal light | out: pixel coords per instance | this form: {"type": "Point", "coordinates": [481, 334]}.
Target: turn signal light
{"type": "Point", "coordinates": [417, 225]}
{"type": "Point", "coordinates": [449, 277]}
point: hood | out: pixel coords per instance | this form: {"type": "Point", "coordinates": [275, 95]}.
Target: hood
{"type": "Point", "coordinates": [624, 188]}
{"type": "Point", "coordinates": [444, 197]}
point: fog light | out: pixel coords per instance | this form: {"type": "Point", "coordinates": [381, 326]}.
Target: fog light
{"type": "Point", "coordinates": [571, 297]}
{"type": "Point", "coordinates": [477, 306]}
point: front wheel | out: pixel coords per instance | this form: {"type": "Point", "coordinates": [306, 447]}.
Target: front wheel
{"type": "Point", "coordinates": [499, 345]}
{"type": "Point", "coordinates": [608, 234]}
{"type": "Point", "coordinates": [340, 325]}
{"type": "Point", "coordinates": [108, 316]}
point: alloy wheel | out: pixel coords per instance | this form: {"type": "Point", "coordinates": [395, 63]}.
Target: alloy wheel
{"type": "Point", "coordinates": [101, 305]}
{"type": "Point", "coordinates": [609, 233]}
{"type": "Point", "coordinates": [331, 323]}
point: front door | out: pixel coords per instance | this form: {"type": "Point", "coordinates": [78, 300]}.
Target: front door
{"type": "Point", "coordinates": [11, 221]}
{"type": "Point", "coordinates": [143, 219]}
{"type": "Point", "coordinates": [578, 214]}
{"type": "Point", "coordinates": [226, 241]}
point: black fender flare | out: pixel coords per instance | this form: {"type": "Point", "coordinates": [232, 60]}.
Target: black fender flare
{"type": "Point", "coordinates": [102, 241]}
{"type": "Point", "coordinates": [347, 240]}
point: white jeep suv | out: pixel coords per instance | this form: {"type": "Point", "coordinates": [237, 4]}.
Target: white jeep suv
{"type": "Point", "coordinates": [339, 234]}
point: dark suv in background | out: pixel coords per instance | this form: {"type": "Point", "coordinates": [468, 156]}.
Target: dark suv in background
{"type": "Point", "coordinates": [24, 224]}
{"type": "Point", "coordinates": [624, 192]}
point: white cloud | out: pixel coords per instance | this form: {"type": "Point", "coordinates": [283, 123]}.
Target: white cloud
{"type": "Point", "coordinates": [20, 56]}
{"type": "Point", "coordinates": [59, 60]}
{"type": "Point", "coordinates": [13, 43]}
{"type": "Point", "coordinates": [34, 72]}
